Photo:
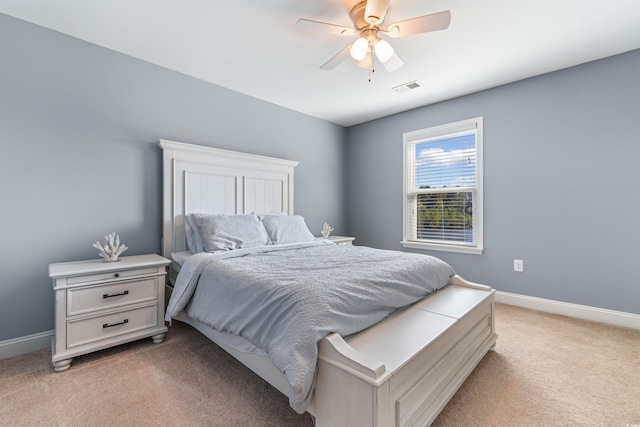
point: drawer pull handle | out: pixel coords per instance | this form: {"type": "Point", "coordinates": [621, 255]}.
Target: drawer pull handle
{"type": "Point", "coordinates": [115, 295]}
{"type": "Point", "coordinates": [106, 325]}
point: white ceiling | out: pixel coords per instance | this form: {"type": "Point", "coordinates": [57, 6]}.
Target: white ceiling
{"type": "Point", "coordinates": [254, 47]}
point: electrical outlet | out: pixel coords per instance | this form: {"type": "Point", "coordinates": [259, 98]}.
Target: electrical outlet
{"type": "Point", "coordinates": [518, 265]}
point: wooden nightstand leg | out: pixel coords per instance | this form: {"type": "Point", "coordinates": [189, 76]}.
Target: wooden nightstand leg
{"type": "Point", "coordinates": [157, 339]}
{"type": "Point", "coordinates": [62, 365]}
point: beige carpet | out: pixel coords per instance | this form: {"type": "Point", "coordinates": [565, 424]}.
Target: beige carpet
{"type": "Point", "coordinates": [547, 370]}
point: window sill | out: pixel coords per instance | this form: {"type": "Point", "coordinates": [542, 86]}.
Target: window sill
{"type": "Point", "coordinates": [444, 248]}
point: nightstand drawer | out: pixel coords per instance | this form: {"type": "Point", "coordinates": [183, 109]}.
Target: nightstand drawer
{"type": "Point", "coordinates": [111, 275]}
{"type": "Point", "coordinates": [86, 299]}
{"type": "Point", "coordinates": [98, 328]}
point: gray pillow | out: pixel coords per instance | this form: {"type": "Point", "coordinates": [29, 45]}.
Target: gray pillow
{"type": "Point", "coordinates": [287, 229]}
{"type": "Point", "coordinates": [228, 232]}
{"type": "Point", "coordinates": [194, 240]}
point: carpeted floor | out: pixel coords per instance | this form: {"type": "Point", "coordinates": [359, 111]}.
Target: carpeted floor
{"type": "Point", "coordinates": [546, 370]}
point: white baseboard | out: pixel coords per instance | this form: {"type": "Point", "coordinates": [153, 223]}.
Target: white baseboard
{"type": "Point", "coordinates": [25, 345]}
{"type": "Point", "coordinates": [618, 318]}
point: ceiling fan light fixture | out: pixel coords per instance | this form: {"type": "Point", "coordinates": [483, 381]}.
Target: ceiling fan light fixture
{"type": "Point", "coordinates": [366, 62]}
{"type": "Point", "coordinates": [383, 50]}
{"type": "Point", "coordinates": [359, 49]}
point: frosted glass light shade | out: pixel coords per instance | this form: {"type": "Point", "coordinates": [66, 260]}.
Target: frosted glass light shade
{"type": "Point", "coordinates": [384, 51]}
{"type": "Point", "coordinates": [359, 49]}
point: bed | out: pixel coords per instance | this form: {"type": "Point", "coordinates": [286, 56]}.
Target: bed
{"type": "Point", "coordinates": [401, 370]}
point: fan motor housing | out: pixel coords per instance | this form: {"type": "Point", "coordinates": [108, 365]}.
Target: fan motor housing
{"type": "Point", "coordinates": [357, 16]}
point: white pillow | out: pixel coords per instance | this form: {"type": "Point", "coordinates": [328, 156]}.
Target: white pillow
{"type": "Point", "coordinates": [194, 240]}
{"type": "Point", "coordinates": [228, 232]}
{"type": "Point", "coordinates": [287, 229]}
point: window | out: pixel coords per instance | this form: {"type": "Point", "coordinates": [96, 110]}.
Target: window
{"type": "Point", "coordinates": [443, 187]}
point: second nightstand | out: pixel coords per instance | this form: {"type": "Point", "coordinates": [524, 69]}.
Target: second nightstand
{"type": "Point", "coordinates": [341, 240]}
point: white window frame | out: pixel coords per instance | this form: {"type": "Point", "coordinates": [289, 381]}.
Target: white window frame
{"type": "Point", "coordinates": [410, 139]}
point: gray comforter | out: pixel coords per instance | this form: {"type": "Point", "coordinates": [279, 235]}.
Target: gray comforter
{"type": "Point", "coordinates": [285, 299]}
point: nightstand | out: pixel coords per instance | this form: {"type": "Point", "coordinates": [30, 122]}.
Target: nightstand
{"type": "Point", "coordinates": [341, 240]}
{"type": "Point", "coordinates": [102, 304]}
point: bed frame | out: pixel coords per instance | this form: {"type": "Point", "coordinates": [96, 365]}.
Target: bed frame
{"type": "Point", "coordinates": [399, 372]}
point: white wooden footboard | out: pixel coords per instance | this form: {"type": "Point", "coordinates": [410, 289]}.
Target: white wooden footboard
{"type": "Point", "coordinates": [403, 371]}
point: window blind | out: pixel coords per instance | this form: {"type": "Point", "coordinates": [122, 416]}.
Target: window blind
{"type": "Point", "coordinates": [446, 162]}
{"type": "Point", "coordinates": [441, 170]}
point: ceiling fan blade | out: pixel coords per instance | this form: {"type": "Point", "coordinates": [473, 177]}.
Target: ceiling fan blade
{"type": "Point", "coordinates": [375, 11]}
{"type": "Point", "coordinates": [337, 59]}
{"type": "Point", "coordinates": [421, 24]}
{"type": "Point", "coordinates": [324, 27]}
{"type": "Point", "coordinates": [393, 63]}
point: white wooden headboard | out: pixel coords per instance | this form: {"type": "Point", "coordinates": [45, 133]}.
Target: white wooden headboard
{"type": "Point", "coordinates": [210, 180]}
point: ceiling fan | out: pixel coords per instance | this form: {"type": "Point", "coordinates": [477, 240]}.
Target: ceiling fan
{"type": "Point", "coordinates": [368, 17]}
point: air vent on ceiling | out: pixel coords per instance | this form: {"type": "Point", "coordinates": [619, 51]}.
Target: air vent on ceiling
{"type": "Point", "coordinates": [408, 86]}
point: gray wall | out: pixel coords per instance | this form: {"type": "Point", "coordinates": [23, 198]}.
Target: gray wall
{"type": "Point", "coordinates": [79, 156]}
{"type": "Point", "coordinates": [561, 183]}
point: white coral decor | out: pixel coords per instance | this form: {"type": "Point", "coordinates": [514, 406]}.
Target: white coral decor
{"type": "Point", "coordinates": [112, 247]}
{"type": "Point", "coordinates": [326, 230]}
